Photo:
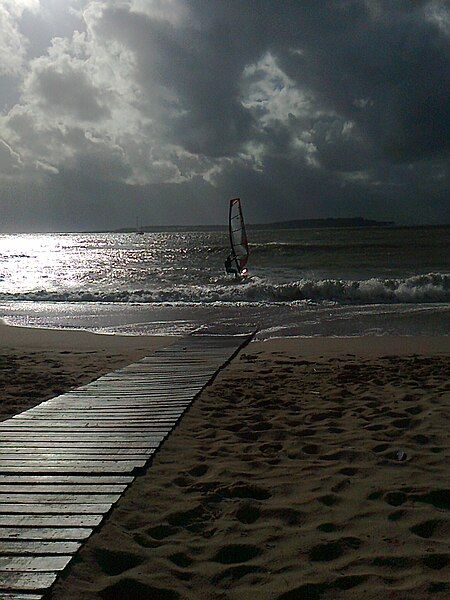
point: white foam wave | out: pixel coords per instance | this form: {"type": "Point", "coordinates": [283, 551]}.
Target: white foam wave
{"type": "Point", "coordinates": [433, 287]}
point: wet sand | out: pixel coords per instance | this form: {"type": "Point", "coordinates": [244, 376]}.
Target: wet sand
{"type": "Point", "coordinates": [312, 468]}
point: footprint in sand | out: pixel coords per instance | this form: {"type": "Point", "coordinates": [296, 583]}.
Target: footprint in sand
{"type": "Point", "coordinates": [437, 586]}
{"type": "Point", "coordinates": [288, 516]}
{"type": "Point", "coordinates": [145, 541]}
{"type": "Point", "coordinates": [374, 427]}
{"type": "Point", "coordinates": [248, 513]}
{"type": "Point", "coordinates": [269, 448]}
{"type": "Point", "coordinates": [327, 527]}
{"type": "Point", "coordinates": [236, 553]}
{"type": "Point", "coordinates": [404, 423]}
{"type": "Point", "coordinates": [329, 499]}
{"type": "Point", "coordinates": [198, 471]}
{"type": "Point", "coordinates": [188, 518]}
{"type": "Point", "coordinates": [242, 490]}
{"type": "Point", "coordinates": [393, 562]}
{"type": "Point", "coordinates": [161, 531]}
{"type": "Point", "coordinates": [349, 471]}
{"type": "Point", "coordinates": [348, 582]}
{"type": "Point", "coordinates": [395, 498]}
{"type": "Point", "coordinates": [113, 562]}
{"type": "Point", "coordinates": [433, 528]}
{"type": "Point", "coordinates": [180, 559]}
{"type": "Point", "coordinates": [341, 486]}
{"type": "Point", "coordinates": [436, 561]}
{"type": "Point", "coordinates": [233, 574]}
{"type": "Point", "coordinates": [438, 498]}
{"type": "Point", "coordinates": [311, 449]}
{"type": "Point", "coordinates": [380, 448]}
{"type": "Point", "coordinates": [132, 589]}
{"type": "Point", "coordinates": [312, 591]}
{"type": "Point", "coordinates": [415, 410]}
{"type": "Point", "coordinates": [332, 550]}
{"type": "Point", "coordinates": [397, 515]}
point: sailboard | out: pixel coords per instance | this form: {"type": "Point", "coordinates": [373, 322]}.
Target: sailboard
{"type": "Point", "coordinates": [236, 262]}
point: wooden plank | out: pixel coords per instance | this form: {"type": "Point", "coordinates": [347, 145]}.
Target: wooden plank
{"type": "Point", "coordinates": [31, 497]}
{"type": "Point", "coordinates": [81, 437]}
{"type": "Point", "coordinates": [153, 395]}
{"type": "Point", "coordinates": [44, 533]}
{"type": "Point", "coordinates": [111, 413]}
{"type": "Point", "coordinates": [99, 489]}
{"type": "Point", "coordinates": [26, 581]}
{"type": "Point", "coordinates": [20, 596]}
{"type": "Point", "coordinates": [88, 445]}
{"type": "Point", "coordinates": [37, 547]}
{"type": "Point", "coordinates": [149, 392]}
{"type": "Point", "coordinates": [94, 467]}
{"type": "Point", "coordinates": [75, 465]}
{"type": "Point", "coordinates": [120, 408]}
{"type": "Point", "coordinates": [32, 564]}
{"type": "Point", "coordinates": [67, 479]}
{"type": "Point", "coordinates": [50, 520]}
{"type": "Point", "coordinates": [123, 410]}
{"type": "Point", "coordinates": [55, 509]}
{"type": "Point", "coordinates": [183, 392]}
{"type": "Point", "coordinates": [73, 456]}
{"type": "Point", "coordinates": [122, 425]}
{"type": "Point", "coordinates": [130, 453]}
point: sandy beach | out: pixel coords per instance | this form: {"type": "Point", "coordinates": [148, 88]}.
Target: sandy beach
{"type": "Point", "coordinates": [37, 364]}
{"type": "Point", "coordinates": [310, 468]}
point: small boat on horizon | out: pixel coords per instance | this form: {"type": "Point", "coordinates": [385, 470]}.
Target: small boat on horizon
{"type": "Point", "coordinates": [139, 230]}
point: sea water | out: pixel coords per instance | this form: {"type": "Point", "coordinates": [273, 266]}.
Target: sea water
{"type": "Point", "coordinates": [308, 282]}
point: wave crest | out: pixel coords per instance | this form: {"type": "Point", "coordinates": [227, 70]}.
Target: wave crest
{"type": "Point", "coordinates": [433, 287]}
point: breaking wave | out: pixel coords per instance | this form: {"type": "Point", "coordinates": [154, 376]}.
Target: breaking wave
{"type": "Point", "coordinates": [433, 287]}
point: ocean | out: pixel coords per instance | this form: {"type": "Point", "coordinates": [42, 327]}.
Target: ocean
{"type": "Point", "coordinates": [303, 282]}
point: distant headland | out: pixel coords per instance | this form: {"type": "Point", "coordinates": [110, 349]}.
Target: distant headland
{"type": "Point", "coordinates": [295, 224]}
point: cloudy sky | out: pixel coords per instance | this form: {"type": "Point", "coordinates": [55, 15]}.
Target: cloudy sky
{"type": "Point", "coordinates": [164, 109]}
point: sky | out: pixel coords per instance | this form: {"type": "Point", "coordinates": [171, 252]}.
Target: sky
{"type": "Point", "coordinates": [163, 110]}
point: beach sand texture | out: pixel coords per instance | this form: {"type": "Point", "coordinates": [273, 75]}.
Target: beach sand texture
{"type": "Point", "coordinates": [38, 364]}
{"type": "Point", "coordinates": [284, 481]}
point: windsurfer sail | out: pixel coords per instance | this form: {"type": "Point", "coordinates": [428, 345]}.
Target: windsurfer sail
{"type": "Point", "coordinates": [236, 262]}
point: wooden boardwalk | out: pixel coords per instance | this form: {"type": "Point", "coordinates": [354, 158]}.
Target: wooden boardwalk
{"type": "Point", "coordinates": [66, 462]}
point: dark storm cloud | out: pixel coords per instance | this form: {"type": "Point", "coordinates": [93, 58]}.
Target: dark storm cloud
{"type": "Point", "coordinates": [386, 68]}
{"type": "Point", "coordinates": [200, 66]}
{"type": "Point", "coordinates": [389, 73]}
{"type": "Point", "coordinates": [68, 91]}
{"type": "Point", "coordinates": [304, 108]}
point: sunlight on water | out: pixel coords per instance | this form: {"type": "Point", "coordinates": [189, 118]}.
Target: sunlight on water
{"type": "Point", "coordinates": [33, 262]}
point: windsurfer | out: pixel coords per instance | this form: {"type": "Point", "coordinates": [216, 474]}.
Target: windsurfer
{"type": "Point", "coordinates": [230, 268]}
{"type": "Point", "coordinates": [236, 261]}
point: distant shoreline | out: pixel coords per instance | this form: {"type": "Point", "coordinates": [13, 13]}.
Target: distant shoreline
{"type": "Point", "coordinates": [283, 225]}
{"type": "Point", "coordinates": [293, 224]}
